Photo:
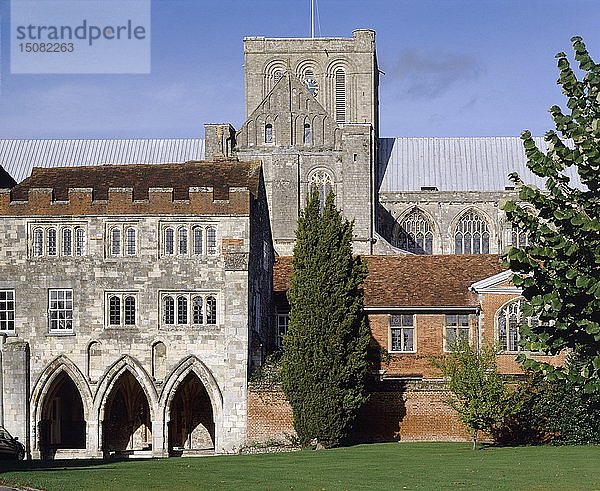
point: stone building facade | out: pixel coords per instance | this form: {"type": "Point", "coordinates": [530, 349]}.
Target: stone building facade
{"type": "Point", "coordinates": [134, 301]}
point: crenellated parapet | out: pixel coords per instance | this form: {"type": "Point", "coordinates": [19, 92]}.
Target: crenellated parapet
{"type": "Point", "coordinates": [221, 188]}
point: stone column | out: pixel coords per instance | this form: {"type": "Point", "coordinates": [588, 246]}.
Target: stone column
{"type": "Point", "coordinates": [15, 374]}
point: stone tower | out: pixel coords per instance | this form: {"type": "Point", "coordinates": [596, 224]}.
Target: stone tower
{"type": "Point", "coordinates": [312, 118]}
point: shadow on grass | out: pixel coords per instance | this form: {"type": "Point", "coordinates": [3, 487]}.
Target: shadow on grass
{"type": "Point", "coordinates": [59, 465]}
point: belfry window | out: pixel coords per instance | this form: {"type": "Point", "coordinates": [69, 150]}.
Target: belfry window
{"type": "Point", "coordinates": [308, 134]}
{"type": "Point", "coordinates": [340, 95]}
{"type": "Point", "coordinates": [269, 133]}
{"type": "Point", "coordinates": [415, 234]}
{"type": "Point", "coordinates": [471, 235]}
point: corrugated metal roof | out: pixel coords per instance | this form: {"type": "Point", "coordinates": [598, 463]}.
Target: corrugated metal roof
{"type": "Point", "coordinates": [455, 164]}
{"type": "Point", "coordinates": [18, 157]}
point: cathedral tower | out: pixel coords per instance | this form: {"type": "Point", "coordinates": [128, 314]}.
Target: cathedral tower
{"type": "Point", "coordinates": [312, 118]}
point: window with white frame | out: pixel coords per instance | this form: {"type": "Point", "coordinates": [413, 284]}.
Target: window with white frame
{"type": "Point", "coordinates": [122, 239]}
{"type": "Point", "coordinates": [7, 311]}
{"type": "Point", "coordinates": [189, 239]}
{"type": "Point", "coordinates": [283, 321]}
{"type": "Point", "coordinates": [188, 308]}
{"type": "Point", "coordinates": [457, 329]}
{"type": "Point", "coordinates": [60, 310]}
{"type": "Point", "coordinates": [402, 333]}
{"type": "Point", "coordinates": [121, 309]}
{"type": "Point", "coordinates": [55, 240]}
{"type": "Point", "coordinates": [471, 235]}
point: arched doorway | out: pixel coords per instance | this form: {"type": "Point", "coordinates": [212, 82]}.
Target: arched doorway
{"type": "Point", "coordinates": [127, 426]}
{"type": "Point", "coordinates": [192, 424]}
{"type": "Point", "coordinates": [62, 425]}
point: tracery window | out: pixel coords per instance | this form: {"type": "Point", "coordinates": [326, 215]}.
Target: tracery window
{"type": "Point", "coordinates": [508, 321]}
{"type": "Point", "coordinates": [187, 309]}
{"type": "Point", "coordinates": [340, 95]}
{"type": "Point", "coordinates": [415, 234]}
{"type": "Point", "coordinates": [402, 333]}
{"type": "Point", "coordinates": [189, 239]}
{"type": "Point", "coordinates": [471, 235]}
{"type": "Point", "coordinates": [519, 237]}
{"type": "Point", "coordinates": [53, 240]}
{"type": "Point", "coordinates": [322, 181]}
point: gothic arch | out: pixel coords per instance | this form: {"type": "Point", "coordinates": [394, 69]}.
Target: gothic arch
{"type": "Point", "coordinates": [511, 330]}
{"type": "Point", "coordinates": [428, 233]}
{"type": "Point", "coordinates": [56, 368]}
{"type": "Point", "coordinates": [111, 376]}
{"type": "Point", "coordinates": [185, 367]}
{"type": "Point", "coordinates": [44, 382]}
{"type": "Point", "coordinates": [484, 237]}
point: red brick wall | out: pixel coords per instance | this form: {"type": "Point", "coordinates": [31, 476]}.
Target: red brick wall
{"type": "Point", "coordinates": [409, 411]}
{"type": "Point", "coordinates": [269, 415]}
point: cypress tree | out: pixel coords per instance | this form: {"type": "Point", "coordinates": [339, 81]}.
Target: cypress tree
{"type": "Point", "coordinates": [324, 361]}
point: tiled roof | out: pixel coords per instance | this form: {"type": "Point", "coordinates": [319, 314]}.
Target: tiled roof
{"type": "Point", "coordinates": [18, 157]}
{"type": "Point", "coordinates": [413, 280]}
{"type": "Point", "coordinates": [140, 177]}
{"type": "Point", "coordinates": [455, 164]}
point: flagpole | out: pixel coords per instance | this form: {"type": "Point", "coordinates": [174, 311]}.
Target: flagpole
{"type": "Point", "coordinates": [312, 18]}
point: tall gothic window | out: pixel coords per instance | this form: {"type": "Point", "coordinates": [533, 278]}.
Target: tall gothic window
{"type": "Point", "coordinates": [79, 241]}
{"type": "Point", "coordinates": [51, 241]}
{"type": "Point", "coordinates": [308, 134]}
{"type": "Point", "coordinates": [67, 242]}
{"type": "Point", "coordinates": [130, 238]}
{"type": "Point", "coordinates": [38, 242]}
{"type": "Point", "coordinates": [322, 181]}
{"type": "Point", "coordinates": [415, 234]}
{"type": "Point", "coordinates": [518, 237]}
{"type": "Point", "coordinates": [340, 95]}
{"type": "Point", "coordinates": [115, 241]}
{"type": "Point", "coordinates": [509, 318]}
{"type": "Point", "coordinates": [471, 235]}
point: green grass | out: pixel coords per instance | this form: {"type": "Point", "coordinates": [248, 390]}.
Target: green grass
{"type": "Point", "coordinates": [394, 466]}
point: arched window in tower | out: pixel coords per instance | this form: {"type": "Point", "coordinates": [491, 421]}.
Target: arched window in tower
{"type": "Point", "coordinates": [322, 181]}
{"type": "Point", "coordinates": [415, 234]}
{"type": "Point", "coordinates": [277, 74]}
{"type": "Point", "coordinates": [471, 235]}
{"type": "Point", "coordinates": [340, 95]}
{"type": "Point", "coordinates": [269, 133]}
{"type": "Point", "coordinates": [308, 134]}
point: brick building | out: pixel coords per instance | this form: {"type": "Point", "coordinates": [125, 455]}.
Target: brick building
{"type": "Point", "coordinates": [135, 299]}
{"type": "Point", "coordinates": [415, 305]}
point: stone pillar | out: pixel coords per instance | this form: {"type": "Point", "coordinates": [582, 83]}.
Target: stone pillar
{"type": "Point", "coordinates": [15, 374]}
{"type": "Point", "coordinates": [160, 440]}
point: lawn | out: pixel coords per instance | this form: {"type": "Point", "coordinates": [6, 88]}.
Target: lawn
{"type": "Point", "coordinates": [394, 466]}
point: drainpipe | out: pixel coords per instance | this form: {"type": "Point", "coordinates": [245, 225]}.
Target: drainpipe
{"type": "Point", "coordinates": [2, 339]}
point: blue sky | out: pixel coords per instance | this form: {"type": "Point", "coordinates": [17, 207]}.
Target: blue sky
{"type": "Point", "coordinates": [452, 67]}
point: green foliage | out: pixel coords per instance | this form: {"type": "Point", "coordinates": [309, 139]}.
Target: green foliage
{"type": "Point", "coordinates": [559, 270]}
{"type": "Point", "coordinates": [479, 396]}
{"type": "Point", "coordinates": [324, 359]}
{"type": "Point", "coordinates": [555, 411]}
